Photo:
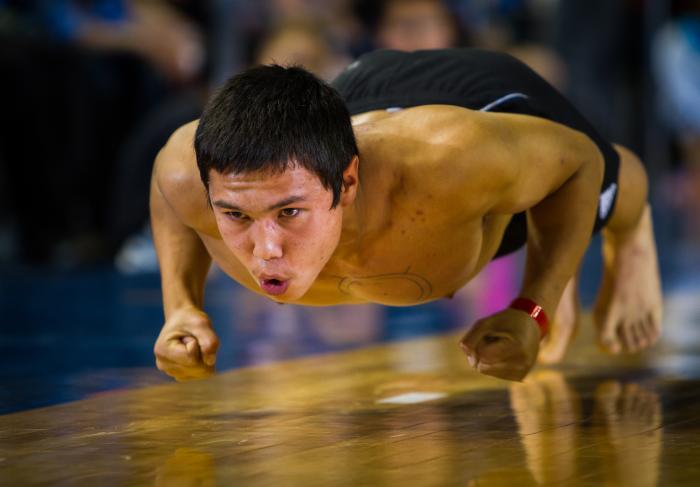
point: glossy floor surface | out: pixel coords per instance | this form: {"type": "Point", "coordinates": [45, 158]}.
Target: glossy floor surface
{"type": "Point", "coordinates": [409, 413]}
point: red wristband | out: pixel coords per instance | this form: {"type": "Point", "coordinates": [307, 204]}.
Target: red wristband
{"type": "Point", "coordinates": [535, 311]}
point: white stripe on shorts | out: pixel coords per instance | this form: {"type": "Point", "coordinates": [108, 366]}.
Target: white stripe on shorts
{"type": "Point", "coordinates": [502, 100]}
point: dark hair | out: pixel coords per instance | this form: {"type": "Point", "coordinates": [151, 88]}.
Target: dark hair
{"type": "Point", "coordinates": [269, 118]}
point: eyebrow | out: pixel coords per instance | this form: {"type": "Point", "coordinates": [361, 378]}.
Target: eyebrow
{"type": "Point", "coordinates": [280, 204]}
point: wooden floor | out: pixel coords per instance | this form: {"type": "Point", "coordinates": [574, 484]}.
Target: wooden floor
{"type": "Point", "coordinates": [410, 413]}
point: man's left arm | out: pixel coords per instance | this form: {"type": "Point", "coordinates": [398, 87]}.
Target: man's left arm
{"type": "Point", "coordinates": [559, 230]}
{"type": "Point", "coordinates": [554, 173]}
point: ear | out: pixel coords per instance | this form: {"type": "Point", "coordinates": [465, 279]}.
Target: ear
{"type": "Point", "coordinates": [350, 182]}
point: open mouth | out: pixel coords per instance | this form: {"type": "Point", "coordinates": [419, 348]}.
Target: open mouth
{"type": "Point", "coordinates": [274, 287]}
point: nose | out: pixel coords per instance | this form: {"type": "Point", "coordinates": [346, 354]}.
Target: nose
{"type": "Point", "coordinates": [267, 243]}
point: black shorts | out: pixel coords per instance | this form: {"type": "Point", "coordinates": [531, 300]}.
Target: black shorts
{"type": "Point", "coordinates": [478, 80]}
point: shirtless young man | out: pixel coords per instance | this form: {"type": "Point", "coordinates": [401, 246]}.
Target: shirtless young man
{"type": "Point", "coordinates": [451, 158]}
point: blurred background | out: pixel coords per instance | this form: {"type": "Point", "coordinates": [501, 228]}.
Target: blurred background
{"type": "Point", "coordinates": [91, 89]}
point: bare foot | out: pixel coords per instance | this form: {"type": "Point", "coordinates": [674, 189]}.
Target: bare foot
{"type": "Point", "coordinates": [629, 307]}
{"type": "Point", "coordinates": [563, 328]}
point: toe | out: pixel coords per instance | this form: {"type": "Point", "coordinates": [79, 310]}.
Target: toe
{"type": "Point", "coordinates": [611, 343]}
{"type": "Point", "coordinates": [608, 334]}
{"type": "Point", "coordinates": [614, 343]}
{"type": "Point", "coordinates": [650, 331]}
{"type": "Point", "coordinates": [657, 316]}
{"type": "Point", "coordinates": [608, 324]}
{"type": "Point", "coordinates": [625, 333]}
{"type": "Point", "coordinates": [654, 326]}
{"type": "Point", "coordinates": [622, 336]}
{"type": "Point", "coordinates": [642, 335]}
{"type": "Point", "coordinates": [639, 334]}
{"type": "Point", "coordinates": [631, 337]}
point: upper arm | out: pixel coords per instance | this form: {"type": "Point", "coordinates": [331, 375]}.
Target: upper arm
{"type": "Point", "coordinates": [508, 163]}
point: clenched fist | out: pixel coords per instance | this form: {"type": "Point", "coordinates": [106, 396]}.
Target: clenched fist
{"type": "Point", "coordinates": [186, 347]}
{"type": "Point", "coordinates": [503, 345]}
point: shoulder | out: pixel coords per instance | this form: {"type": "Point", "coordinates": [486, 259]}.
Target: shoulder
{"type": "Point", "coordinates": [175, 167]}
{"type": "Point", "coordinates": [443, 137]}
{"type": "Point", "coordinates": [452, 151]}
{"type": "Point", "coordinates": [177, 177]}
{"type": "Point", "coordinates": [481, 161]}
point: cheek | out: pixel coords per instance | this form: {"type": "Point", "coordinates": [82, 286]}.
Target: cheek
{"type": "Point", "coordinates": [235, 244]}
{"type": "Point", "coordinates": [317, 244]}
{"type": "Point", "coordinates": [233, 239]}
{"type": "Point", "coordinates": [327, 240]}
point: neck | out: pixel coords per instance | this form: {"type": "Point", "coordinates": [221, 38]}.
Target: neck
{"type": "Point", "coordinates": [352, 227]}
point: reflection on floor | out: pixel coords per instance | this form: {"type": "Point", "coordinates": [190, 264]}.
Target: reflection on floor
{"type": "Point", "coordinates": [408, 413]}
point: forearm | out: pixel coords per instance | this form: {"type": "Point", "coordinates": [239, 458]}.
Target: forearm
{"type": "Point", "coordinates": [183, 259]}
{"type": "Point", "coordinates": [559, 230]}
{"type": "Point", "coordinates": [183, 273]}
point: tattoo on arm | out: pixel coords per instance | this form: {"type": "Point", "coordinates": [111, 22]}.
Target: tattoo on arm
{"type": "Point", "coordinates": [422, 286]}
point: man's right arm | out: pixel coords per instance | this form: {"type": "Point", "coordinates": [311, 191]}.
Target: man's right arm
{"type": "Point", "coordinates": [186, 347]}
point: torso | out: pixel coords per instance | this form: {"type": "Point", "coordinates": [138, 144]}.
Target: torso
{"type": "Point", "coordinates": [417, 245]}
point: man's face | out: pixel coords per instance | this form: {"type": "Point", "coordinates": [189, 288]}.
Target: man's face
{"type": "Point", "coordinates": [409, 25]}
{"type": "Point", "coordinates": [279, 226]}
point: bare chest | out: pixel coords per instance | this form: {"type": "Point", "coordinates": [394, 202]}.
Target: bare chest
{"type": "Point", "coordinates": [415, 262]}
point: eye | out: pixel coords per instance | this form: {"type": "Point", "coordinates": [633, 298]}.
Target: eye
{"type": "Point", "coordinates": [290, 212]}
{"type": "Point", "coordinates": [236, 215]}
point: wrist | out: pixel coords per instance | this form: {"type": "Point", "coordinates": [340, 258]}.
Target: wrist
{"type": "Point", "coordinates": [535, 311]}
{"type": "Point", "coordinates": [182, 294]}
{"type": "Point", "coordinates": [170, 307]}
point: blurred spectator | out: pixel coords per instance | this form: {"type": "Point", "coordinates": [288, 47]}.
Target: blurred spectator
{"type": "Point", "coordinates": [154, 30]}
{"type": "Point", "coordinates": [407, 25]}
{"type": "Point", "coordinates": [543, 60]}
{"type": "Point", "coordinates": [339, 26]}
{"type": "Point", "coordinates": [493, 24]}
{"type": "Point", "coordinates": [149, 28]}
{"type": "Point", "coordinates": [283, 10]}
{"type": "Point", "coordinates": [305, 44]}
{"type": "Point", "coordinates": [676, 68]}
{"type": "Point", "coordinates": [522, 28]}
{"type": "Point", "coordinates": [77, 77]}
{"type": "Point", "coordinates": [513, 26]}
{"type": "Point", "coordinates": [601, 43]}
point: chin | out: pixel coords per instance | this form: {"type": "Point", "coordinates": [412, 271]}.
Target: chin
{"type": "Point", "coordinates": [294, 294]}
{"type": "Point", "coordinates": [297, 291]}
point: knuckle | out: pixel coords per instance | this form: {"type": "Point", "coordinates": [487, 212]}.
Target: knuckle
{"type": "Point", "coordinates": [211, 345]}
